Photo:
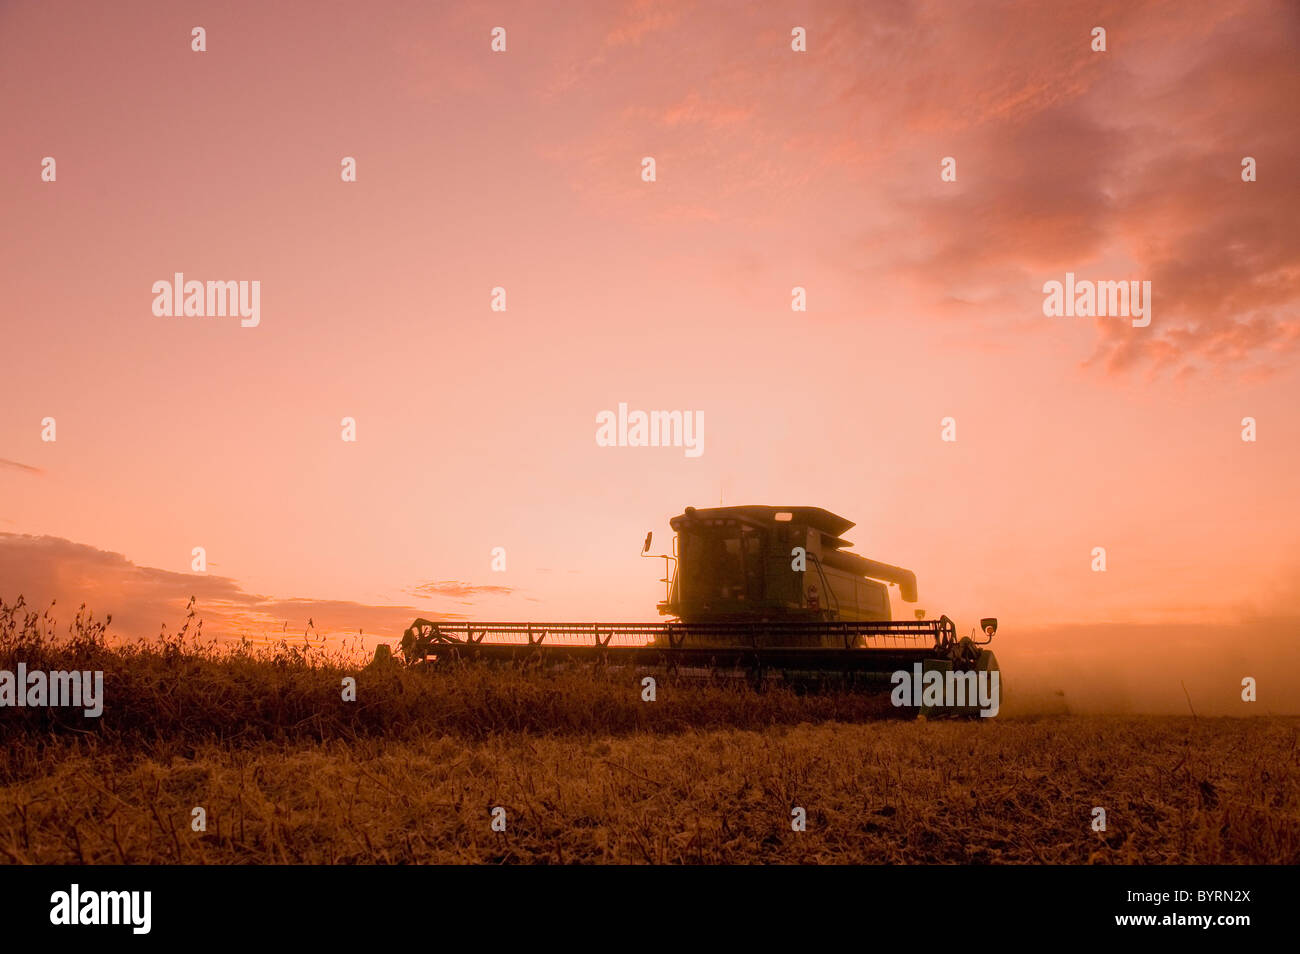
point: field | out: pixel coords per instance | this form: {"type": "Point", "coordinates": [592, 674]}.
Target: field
{"type": "Point", "coordinates": [287, 772]}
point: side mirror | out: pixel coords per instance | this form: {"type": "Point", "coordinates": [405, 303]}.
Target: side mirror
{"type": "Point", "coordinates": [989, 626]}
{"type": "Point", "coordinates": [648, 537]}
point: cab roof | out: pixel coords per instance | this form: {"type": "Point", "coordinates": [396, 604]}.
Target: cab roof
{"type": "Point", "coordinates": [814, 517]}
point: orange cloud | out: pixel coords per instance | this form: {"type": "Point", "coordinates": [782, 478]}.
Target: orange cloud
{"type": "Point", "coordinates": [459, 590]}
{"type": "Point", "coordinates": [15, 465]}
{"type": "Point", "coordinates": [143, 599]}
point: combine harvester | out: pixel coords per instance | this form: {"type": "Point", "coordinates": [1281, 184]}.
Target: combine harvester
{"type": "Point", "coordinates": [764, 593]}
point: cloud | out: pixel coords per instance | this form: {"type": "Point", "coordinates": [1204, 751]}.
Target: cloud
{"type": "Point", "coordinates": [1121, 165]}
{"type": "Point", "coordinates": [460, 590]}
{"type": "Point", "coordinates": [142, 599]}
{"type": "Point", "coordinates": [692, 109]}
{"type": "Point", "coordinates": [641, 19]}
{"type": "Point", "coordinates": [26, 468]}
{"type": "Point", "coordinates": [1117, 165]}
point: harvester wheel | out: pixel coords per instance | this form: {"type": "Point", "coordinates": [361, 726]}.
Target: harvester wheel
{"type": "Point", "coordinates": [987, 662]}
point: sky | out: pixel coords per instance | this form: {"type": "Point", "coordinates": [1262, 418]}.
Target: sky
{"type": "Point", "coordinates": [523, 169]}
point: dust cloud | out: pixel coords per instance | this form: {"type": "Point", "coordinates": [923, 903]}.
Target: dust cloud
{"type": "Point", "coordinates": [1124, 668]}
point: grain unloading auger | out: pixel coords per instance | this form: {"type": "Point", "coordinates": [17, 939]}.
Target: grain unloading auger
{"type": "Point", "coordinates": [755, 591]}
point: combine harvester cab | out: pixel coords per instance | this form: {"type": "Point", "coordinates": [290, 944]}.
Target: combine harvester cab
{"type": "Point", "coordinates": [767, 593]}
{"type": "Point", "coordinates": [774, 564]}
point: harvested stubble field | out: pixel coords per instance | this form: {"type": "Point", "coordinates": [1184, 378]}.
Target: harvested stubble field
{"type": "Point", "coordinates": [289, 773]}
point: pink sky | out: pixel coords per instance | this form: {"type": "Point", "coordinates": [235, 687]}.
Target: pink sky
{"type": "Point", "coordinates": [775, 169]}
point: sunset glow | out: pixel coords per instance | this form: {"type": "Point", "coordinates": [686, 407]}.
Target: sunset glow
{"type": "Point", "coordinates": [477, 428]}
